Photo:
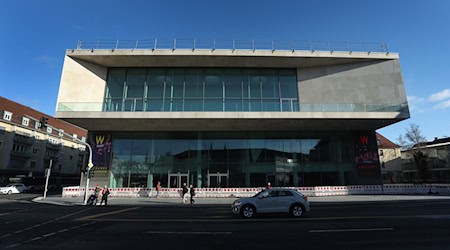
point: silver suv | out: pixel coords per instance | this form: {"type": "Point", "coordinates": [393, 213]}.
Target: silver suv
{"type": "Point", "coordinates": [274, 200]}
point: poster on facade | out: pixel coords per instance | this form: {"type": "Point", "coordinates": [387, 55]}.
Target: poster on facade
{"type": "Point", "coordinates": [366, 158]}
{"type": "Point", "coordinates": [101, 152]}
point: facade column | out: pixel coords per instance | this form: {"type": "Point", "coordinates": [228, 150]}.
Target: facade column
{"type": "Point", "coordinates": [150, 180]}
{"type": "Point", "coordinates": [199, 160]}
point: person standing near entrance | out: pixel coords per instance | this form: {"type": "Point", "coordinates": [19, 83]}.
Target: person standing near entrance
{"type": "Point", "coordinates": [192, 191]}
{"type": "Point", "coordinates": [184, 192]}
{"type": "Point", "coordinates": [158, 189]}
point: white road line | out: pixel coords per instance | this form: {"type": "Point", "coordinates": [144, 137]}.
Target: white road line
{"type": "Point", "coordinates": [47, 235]}
{"type": "Point", "coordinates": [44, 223]}
{"type": "Point", "coordinates": [351, 230]}
{"type": "Point", "coordinates": [13, 245]}
{"type": "Point", "coordinates": [173, 232]}
{"type": "Point", "coordinates": [23, 210]}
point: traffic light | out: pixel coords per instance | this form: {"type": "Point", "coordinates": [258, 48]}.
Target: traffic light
{"type": "Point", "coordinates": [43, 122]}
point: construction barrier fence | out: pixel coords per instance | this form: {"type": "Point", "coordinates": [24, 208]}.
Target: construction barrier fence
{"type": "Point", "coordinates": [400, 189]}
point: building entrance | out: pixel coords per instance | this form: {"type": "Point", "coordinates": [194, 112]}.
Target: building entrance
{"type": "Point", "coordinates": [176, 180]}
{"type": "Point", "coordinates": [218, 179]}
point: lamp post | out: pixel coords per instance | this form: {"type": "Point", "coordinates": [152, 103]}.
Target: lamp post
{"type": "Point", "coordinates": [90, 165]}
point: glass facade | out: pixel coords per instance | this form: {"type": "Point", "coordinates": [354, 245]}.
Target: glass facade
{"type": "Point", "coordinates": [231, 159]}
{"type": "Point", "coordinates": [201, 89]}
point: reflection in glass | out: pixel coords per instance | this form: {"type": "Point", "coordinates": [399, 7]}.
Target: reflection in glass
{"type": "Point", "coordinates": [247, 158]}
{"type": "Point", "coordinates": [200, 89]}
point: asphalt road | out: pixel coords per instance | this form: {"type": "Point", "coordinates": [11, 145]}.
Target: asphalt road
{"type": "Point", "coordinates": [376, 225]}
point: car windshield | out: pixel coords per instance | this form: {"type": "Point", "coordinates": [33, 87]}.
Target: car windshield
{"type": "Point", "coordinates": [10, 185]}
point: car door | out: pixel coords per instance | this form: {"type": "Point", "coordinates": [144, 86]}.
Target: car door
{"type": "Point", "coordinates": [284, 200]}
{"type": "Point", "coordinates": [265, 202]}
{"type": "Point", "coordinates": [268, 203]}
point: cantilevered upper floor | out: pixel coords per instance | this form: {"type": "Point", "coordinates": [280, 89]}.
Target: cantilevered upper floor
{"type": "Point", "coordinates": [210, 89]}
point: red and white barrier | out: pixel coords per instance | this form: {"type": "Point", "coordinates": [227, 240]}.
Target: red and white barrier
{"type": "Point", "coordinates": [404, 189]}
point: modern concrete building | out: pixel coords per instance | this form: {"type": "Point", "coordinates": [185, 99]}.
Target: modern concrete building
{"type": "Point", "coordinates": [26, 149]}
{"type": "Point", "coordinates": [235, 116]}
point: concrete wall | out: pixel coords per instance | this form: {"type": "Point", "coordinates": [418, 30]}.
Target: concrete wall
{"type": "Point", "coordinates": [82, 82]}
{"type": "Point", "coordinates": [377, 82]}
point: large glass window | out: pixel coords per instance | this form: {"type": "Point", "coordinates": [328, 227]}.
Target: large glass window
{"type": "Point", "coordinates": [201, 89]}
{"type": "Point", "coordinates": [234, 159]}
{"type": "Point", "coordinates": [213, 84]}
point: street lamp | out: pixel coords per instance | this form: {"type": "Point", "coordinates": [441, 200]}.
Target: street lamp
{"type": "Point", "coordinates": [90, 165]}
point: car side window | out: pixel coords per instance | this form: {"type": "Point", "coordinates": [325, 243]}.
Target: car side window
{"type": "Point", "coordinates": [273, 193]}
{"type": "Point", "coordinates": [285, 193]}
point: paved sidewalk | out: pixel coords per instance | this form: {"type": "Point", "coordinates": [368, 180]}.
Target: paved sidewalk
{"type": "Point", "coordinates": [144, 201]}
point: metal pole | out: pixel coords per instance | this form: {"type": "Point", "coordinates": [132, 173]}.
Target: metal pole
{"type": "Point", "coordinates": [90, 165]}
{"type": "Point", "coordinates": [46, 179]}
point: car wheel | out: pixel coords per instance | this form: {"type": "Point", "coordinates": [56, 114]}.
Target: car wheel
{"type": "Point", "coordinates": [297, 210]}
{"type": "Point", "coordinates": [9, 192]}
{"type": "Point", "coordinates": [248, 211]}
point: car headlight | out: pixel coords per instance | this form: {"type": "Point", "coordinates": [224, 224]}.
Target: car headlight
{"type": "Point", "coordinates": [237, 203]}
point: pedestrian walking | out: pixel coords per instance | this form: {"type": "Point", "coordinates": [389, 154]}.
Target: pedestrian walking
{"type": "Point", "coordinates": [184, 192]}
{"type": "Point", "coordinates": [97, 194]}
{"type": "Point", "coordinates": [158, 189]}
{"type": "Point", "coordinates": [192, 191]}
{"type": "Point", "coordinates": [105, 193]}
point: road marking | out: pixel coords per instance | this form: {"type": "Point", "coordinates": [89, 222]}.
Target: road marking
{"type": "Point", "coordinates": [169, 232]}
{"type": "Point", "coordinates": [13, 245]}
{"type": "Point", "coordinates": [108, 213]}
{"type": "Point", "coordinates": [230, 219]}
{"type": "Point", "coordinates": [351, 230]}
{"type": "Point", "coordinates": [43, 223]}
{"type": "Point", "coordinates": [23, 210]}
{"type": "Point", "coordinates": [47, 235]}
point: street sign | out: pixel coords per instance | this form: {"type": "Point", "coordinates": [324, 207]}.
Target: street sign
{"type": "Point", "coordinates": [90, 165]}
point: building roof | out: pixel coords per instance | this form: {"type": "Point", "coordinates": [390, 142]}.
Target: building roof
{"type": "Point", "coordinates": [20, 111]}
{"type": "Point", "coordinates": [385, 143]}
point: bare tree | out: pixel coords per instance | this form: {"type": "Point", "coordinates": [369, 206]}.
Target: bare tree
{"type": "Point", "coordinates": [414, 140]}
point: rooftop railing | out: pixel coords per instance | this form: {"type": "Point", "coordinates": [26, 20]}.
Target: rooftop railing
{"type": "Point", "coordinates": [201, 44]}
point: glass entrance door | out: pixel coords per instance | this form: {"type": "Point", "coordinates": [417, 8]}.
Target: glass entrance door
{"type": "Point", "coordinates": [218, 179]}
{"type": "Point", "coordinates": [176, 180]}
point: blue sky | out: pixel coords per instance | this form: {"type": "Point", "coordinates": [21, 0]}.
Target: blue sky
{"type": "Point", "coordinates": [35, 35]}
